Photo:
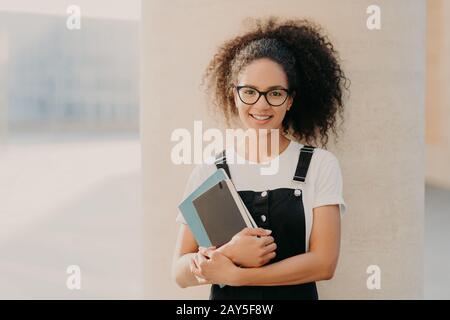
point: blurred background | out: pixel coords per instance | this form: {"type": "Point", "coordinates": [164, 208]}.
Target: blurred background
{"type": "Point", "coordinates": [437, 139]}
{"type": "Point", "coordinates": [70, 153]}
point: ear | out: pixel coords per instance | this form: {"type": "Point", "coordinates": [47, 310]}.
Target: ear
{"type": "Point", "coordinates": [290, 103]}
{"type": "Point", "coordinates": [291, 100]}
{"type": "Point", "coordinates": [235, 95]}
{"type": "Point", "coordinates": [236, 101]}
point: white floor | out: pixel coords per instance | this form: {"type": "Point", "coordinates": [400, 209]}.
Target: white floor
{"type": "Point", "coordinates": [70, 203]}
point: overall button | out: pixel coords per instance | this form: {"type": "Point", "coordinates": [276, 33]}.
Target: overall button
{"type": "Point", "coordinates": [264, 194]}
{"type": "Point", "coordinates": [297, 192]}
{"type": "Point", "coordinates": [263, 218]}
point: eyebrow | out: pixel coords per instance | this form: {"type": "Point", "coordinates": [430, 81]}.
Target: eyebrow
{"type": "Point", "coordinates": [269, 88]}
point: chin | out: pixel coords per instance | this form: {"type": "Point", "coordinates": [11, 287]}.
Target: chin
{"type": "Point", "coordinates": [262, 127]}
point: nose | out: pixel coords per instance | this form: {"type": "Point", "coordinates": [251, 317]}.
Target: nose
{"type": "Point", "coordinates": [261, 104]}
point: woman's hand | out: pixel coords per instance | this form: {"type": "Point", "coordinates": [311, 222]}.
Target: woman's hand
{"type": "Point", "coordinates": [248, 250]}
{"type": "Point", "coordinates": [211, 266]}
{"type": "Point", "coordinates": [198, 260]}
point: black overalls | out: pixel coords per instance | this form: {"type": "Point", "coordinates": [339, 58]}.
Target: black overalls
{"type": "Point", "coordinates": [280, 210]}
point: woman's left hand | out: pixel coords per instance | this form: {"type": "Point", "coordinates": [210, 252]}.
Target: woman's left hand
{"type": "Point", "coordinates": [214, 267]}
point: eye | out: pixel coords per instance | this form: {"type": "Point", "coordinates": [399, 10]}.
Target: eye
{"type": "Point", "coordinates": [276, 93]}
{"type": "Point", "coordinates": [248, 91]}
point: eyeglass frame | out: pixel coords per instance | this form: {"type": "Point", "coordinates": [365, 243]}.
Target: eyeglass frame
{"type": "Point", "coordinates": [264, 93]}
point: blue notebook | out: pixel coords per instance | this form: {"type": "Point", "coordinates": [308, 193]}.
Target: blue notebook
{"type": "Point", "coordinates": [206, 208]}
{"type": "Point", "coordinates": [215, 205]}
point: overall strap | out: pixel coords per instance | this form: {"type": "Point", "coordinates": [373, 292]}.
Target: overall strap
{"type": "Point", "coordinates": [303, 163]}
{"type": "Point", "coordinates": [221, 163]}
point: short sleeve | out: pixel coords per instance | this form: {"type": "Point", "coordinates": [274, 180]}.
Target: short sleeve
{"type": "Point", "coordinates": [198, 175]}
{"type": "Point", "coordinates": [328, 188]}
{"type": "Point", "coordinates": [187, 190]}
{"type": "Point", "coordinates": [180, 218]}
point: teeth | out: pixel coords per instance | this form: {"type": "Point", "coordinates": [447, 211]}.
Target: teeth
{"type": "Point", "coordinates": [260, 117]}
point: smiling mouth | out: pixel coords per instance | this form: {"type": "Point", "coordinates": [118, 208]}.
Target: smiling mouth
{"type": "Point", "coordinates": [260, 117]}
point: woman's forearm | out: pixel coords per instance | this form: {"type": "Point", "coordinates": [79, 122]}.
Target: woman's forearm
{"type": "Point", "coordinates": [182, 272]}
{"type": "Point", "coordinates": [299, 269]}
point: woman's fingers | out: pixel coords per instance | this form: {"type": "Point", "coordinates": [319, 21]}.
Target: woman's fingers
{"type": "Point", "coordinates": [206, 251]}
{"type": "Point", "coordinates": [255, 232]}
{"type": "Point", "coordinates": [202, 250]}
{"type": "Point", "coordinates": [269, 248]}
{"type": "Point", "coordinates": [267, 240]}
{"type": "Point", "coordinates": [196, 269]}
{"type": "Point", "coordinates": [197, 261]}
{"type": "Point", "coordinates": [200, 259]}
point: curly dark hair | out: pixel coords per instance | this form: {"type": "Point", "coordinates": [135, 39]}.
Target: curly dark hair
{"type": "Point", "coordinates": [311, 64]}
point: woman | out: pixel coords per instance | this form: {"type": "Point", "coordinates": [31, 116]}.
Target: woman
{"type": "Point", "coordinates": [285, 76]}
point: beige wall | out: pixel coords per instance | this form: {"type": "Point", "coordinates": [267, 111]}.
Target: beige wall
{"type": "Point", "coordinates": [380, 152]}
{"type": "Point", "coordinates": [3, 102]}
{"type": "Point", "coordinates": [438, 93]}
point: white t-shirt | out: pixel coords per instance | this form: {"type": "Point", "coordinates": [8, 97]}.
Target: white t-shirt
{"type": "Point", "coordinates": [323, 184]}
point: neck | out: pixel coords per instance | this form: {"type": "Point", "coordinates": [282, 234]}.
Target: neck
{"type": "Point", "coordinates": [265, 146]}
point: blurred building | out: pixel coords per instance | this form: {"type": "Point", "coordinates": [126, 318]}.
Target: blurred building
{"type": "Point", "coordinates": [3, 104]}
{"type": "Point", "coordinates": [72, 203]}
{"type": "Point", "coordinates": [60, 80]}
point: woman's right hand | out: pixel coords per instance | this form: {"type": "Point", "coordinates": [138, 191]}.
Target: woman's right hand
{"type": "Point", "coordinates": [248, 250]}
